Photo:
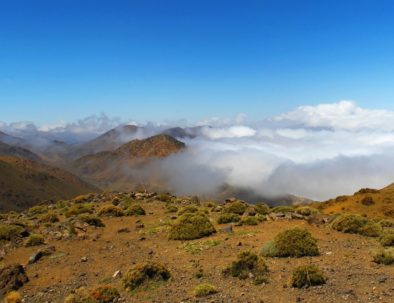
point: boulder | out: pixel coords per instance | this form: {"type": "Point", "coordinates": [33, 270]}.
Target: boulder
{"type": "Point", "coordinates": [12, 277]}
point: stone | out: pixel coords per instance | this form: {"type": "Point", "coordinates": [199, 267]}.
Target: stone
{"type": "Point", "coordinates": [228, 229]}
{"type": "Point", "coordinates": [12, 277]}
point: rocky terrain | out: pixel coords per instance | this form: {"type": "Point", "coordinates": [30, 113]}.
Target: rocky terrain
{"type": "Point", "coordinates": [148, 247]}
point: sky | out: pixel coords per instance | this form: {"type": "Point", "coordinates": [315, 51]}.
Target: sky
{"type": "Point", "coordinates": [167, 60]}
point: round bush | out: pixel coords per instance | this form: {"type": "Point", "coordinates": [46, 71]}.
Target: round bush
{"type": "Point", "coordinates": [387, 238]}
{"type": "Point", "coordinates": [204, 290]}
{"type": "Point", "coordinates": [135, 210]}
{"type": "Point", "coordinates": [236, 207]}
{"type": "Point", "coordinates": [229, 218]}
{"type": "Point", "coordinates": [191, 226]}
{"type": "Point", "coordinates": [110, 211]}
{"type": "Point", "coordinates": [306, 276]}
{"type": "Point", "coordinates": [145, 273]}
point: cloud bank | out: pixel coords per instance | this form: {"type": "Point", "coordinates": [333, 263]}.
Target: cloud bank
{"type": "Point", "coordinates": [317, 152]}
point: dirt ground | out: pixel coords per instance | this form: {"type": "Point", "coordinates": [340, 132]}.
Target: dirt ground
{"type": "Point", "coordinates": [345, 260]}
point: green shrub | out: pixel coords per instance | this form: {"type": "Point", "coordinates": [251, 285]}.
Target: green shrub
{"type": "Point", "coordinates": [250, 221]}
{"type": "Point", "coordinates": [92, 220]}
{"type": "Point", "coordinates": [387, 238]}
{"type": "Point", "coordinates": [37, 210]}
{"type": "Point", "coordinates": [171, 208]}
{"type": "Point", "coordinates": [386, 223]}
{"type": "Point", "coordinates": [204, 290]}
{"type": "Point", "coordinates": [262, 208]}
{"type": "Point", "coordinates": [191, 226]}
{"type": "Point", "coordinates": [77, 209]}
{"type": "Point", "coordinates": [384, 256]}
{"type": "Point", "coordinates": [145, 273]}
{"type": "Point", "coordinates": [188, 210]}
{"type": "Point", "coordinates": [34, 240]}
{"type": "Point", "coordinates": [13, 297]}
{"type": "Point", "coordinates": [164, 197]}
{"type": "Point", "coordinates": [283, 209]}
{"type": "Point", "coordinates": [306, 211]}
{"type": "Point", "coordinates": [356, 224]}
{"type": "Point", "coordinates": [110, 211]}
{"type": "Point", "coordinates": [248, 265]}
{"type": "Point", "coordinates": [229, 218]}
{"type": "Point", "coordinates": [105, 294]}
{"type": "Point", "coordinates": [81, 295]}
{"type": "Point", "coordinates": [306, 276]}
{"type": "Point", "coordinates": [236, 207]}
{"type": "Point", "coordinates": [10, 231]}
{"type": "Point", "coordinates": [370, 229]}
{"type": "Point", "coordinates": [49, 218]}
{"type": "Point", "coordinates": [135, 210]}
{"type": "Point", "coordinates": [294, 242]}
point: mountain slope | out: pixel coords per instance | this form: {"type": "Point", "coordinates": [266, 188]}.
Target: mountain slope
{"type": "Point", "coordinates": [24, 183]}
{"type": "Point", "coordinates": [116, 169]}
{"type": "Point", "coordinates": [368, 202]}
{"type": "Point", "coordinates": [16, 151]}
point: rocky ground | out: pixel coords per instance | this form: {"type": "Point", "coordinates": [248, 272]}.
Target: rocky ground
{"type": "Point", "coordinates": [88, 256]}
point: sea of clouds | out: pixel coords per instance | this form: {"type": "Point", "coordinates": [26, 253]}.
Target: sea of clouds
{"type": "Point", "coordinates": [317, 152]}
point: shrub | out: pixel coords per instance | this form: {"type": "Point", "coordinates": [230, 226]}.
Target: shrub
{"type": "Point", "coordinates": [204, 290]}
{"type": "Point", "coordinates": [283, 209]}
{"type": "Point", "coordinates": [171, 208]}
{"type": "Point", "coordinates": [370, 229]}
{"type": "Point", "coordinates": [145, 273]}
{"type": "Point", "coordinates": [10, 231]}
{"type": "Point", "coordinates": [386, 223]}
{"type": "Point", "coordinates": [81, 295]}
{"type": "Point", "coordinates": [135, 210]}
{"type": "Point", "coordinates": [105, 294]}
{"type": "Point", "coordinates": [384, 256]}
{"type": "Point", "coordinates": [13, 297]}
{"type": "Point", "coordinates": [248, 265]}
{"type": "Point", "coordinates": [191, 226]}
{"type": "Point", "coordinates": [164, 197]}
{"type": "Point", "coordinates": [306, 276]}
{"type": "Point", "coordinates": [294, 242]}
{"type": "Point", "coordinates": [188, 210]}
{"type": "Point", "coordinates": [37, 210]}
{"type": "Point", "coordinates": [34, 240]}
{"type": "Point", "coordinates": [229, 218]}
{"type": "Point", "coordinates": [236, 207]}
{"type": "Point", "coordinates": [367, 201]}
{"type": "Point", "coordinates": [349, 223]}
{"type": "Point", "coordinates": [306, 211]}
{"type": "Point", "coordinates": [387, 238]}
{"type": "Point", "coordinates": [77, 209]}
{"type": "Point", "coordinates": [49, 218]}
{"type": "Point", "coordinates": [262, 208]}
{"type": "Point", "coordinates": [251, 221]}
{"type": "Point", "coordinates": [92, 220]}
{"type": "Point", "coordinates": [110, 210]}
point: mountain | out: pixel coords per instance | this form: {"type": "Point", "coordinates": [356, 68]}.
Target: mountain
{"type": "Point", "coordinates": [16, 151]}
{"type": "Point", "coordinates": [24, 182]}
{"type": "Point", "coordinates": [113, 169]}
{"type": "Point", "coordinates": [368, 202]}
{"type": "Point", "coordinates": [11, 140]}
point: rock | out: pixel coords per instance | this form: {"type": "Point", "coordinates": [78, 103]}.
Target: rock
{"type": "Point", "coordinates": [123, 230]}
{"type": "Point", "coordinates": [250, 211]}
{"type": "Point", "coordinates": [12, 277]}
{"type": "Point", "coordinates": [47, 251]}
{"type": "Point", "coordinates": [84, 259]}
{"type": "Point", "coordinates": [297, 216]}
{"type": "Point", "coordinates": [228, 229]}
{"type": "Point", "coordinates": [117, 274]}
{"type": "Point", "coordinates": [382, 279]}
{"type": "Point", "coordinates": [139, 225]}
{"type": "Point", "coordinates": [35, 257]}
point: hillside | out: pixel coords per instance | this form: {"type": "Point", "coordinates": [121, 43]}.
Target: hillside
{"type": "Point", "coordinates": [114, 169]}
{"type": "Point", "coordinates": [15, 151]}
{"type": "Point", "coordinates": [24, 183]}
{"type": "Point", "coordinates": [367, 202]}
{"type": "Point", "coordinates": [144, 247]}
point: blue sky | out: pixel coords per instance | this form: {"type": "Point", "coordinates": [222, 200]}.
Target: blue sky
{"type": "Point", "coordinates": [167, 60]}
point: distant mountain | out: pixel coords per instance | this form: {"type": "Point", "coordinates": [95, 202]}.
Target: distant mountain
{"type": "Point", "coordinates": [24, 183]}
{"type": "Point", "coordinates": [112, 169]}
{"type": "Point", "coordinates": [15, 151]}
{"type": "Point", "coordinates": [11, 140]}
{"type": "Point", "coordinates": [368, 202]}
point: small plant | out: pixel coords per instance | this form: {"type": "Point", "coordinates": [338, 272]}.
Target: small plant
{"type": "Point", "coordinates": [306, 276]}
{"type": "Point", "coordinates": [77, 209]}
{"type": "Point", "coordinates": [164, 197]}
{"type": "Point", "coordinates": [262, 208]}
{"type": "Point", "coordinates": [294, 242]}
{"type": "Point", "coordinates": [145, 273]}
{"type": "Point", "coordinates": [306, 211]}
{"type": "Point", "coordinates": [384, 256]}
{"type": "Point", "coordinates": [105, 294]}
{"type": "Point", "coordinates": [205, 289]}
{"type": "Point", "coordinates": [171, 208]}
{"type": "Point", "coordinates": [250, 221]}
{"type": "Point", "coordinates": [248, 265]}
{"type": "Point", "coordinates": [356, 224]}
{"type": "Point", "coordinates": [37, 210]}
{"type": "Point", "coordinates": [387, 238]}
{"type": "Point", "coordinates": [34, 240]}
{"type": "Point", "coordinates": [228, 218]}
{"type": "Point", "coordinates": [92, 220]}
{"type": "Point", "coordinates": [135, 210]}
{"type": "Point", "coordinates": [236, 207]}
{"type": "Point", "coordinates": [386, 223]}
{"type": "Point", "coordinates": [9, 232]}
{"type": "Point", "coordinates": [367, 201]}
{"type": "Point", "coordinates": [283, 209]}
{"type": "Point", "coordinates": [370, 229]}
{"type": "Point", "coordinates": [49, 218]}
{"type": "Point", "coordinates": [188, 210]}
{"type": "Point", "coordinates": [13, 297]}
{"type": "Point", "coordinates": [110, 211]}
{"type": "Point", "coordinates": [191, 226]}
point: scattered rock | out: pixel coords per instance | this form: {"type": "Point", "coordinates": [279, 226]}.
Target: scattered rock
{"type": "Point", "coordinates": [123, 230]}
{"type": "Point", "coordinates": [84, 259]}
{"type": "Point", "coordinates": [12, 277]}
{"type": "Point", "coordinates": [117, 274]}
{"type": "Point", "coordinates": [228, 229]}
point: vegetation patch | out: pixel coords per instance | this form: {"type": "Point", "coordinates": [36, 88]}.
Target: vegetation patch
{"type": "Point", "coordinates": [384, 256]}
{"type": "Point", "coordinates": [306, 276]}
{"type": "Point", "coordinates": [13, 297]}
{"type": "Point", "coordinates": [188, 210]}
{"type": "Point", "coordinates": [205, 289]}
{"type": "Point", "coordinates": [9, 232]}
{"type": "Point", "coordinates": [145, 273]}
{"type": "Point", "coordinates": [191, 226]}
{"type": "Point", "coordinates": [35, 240]}
{"type": "Point", "coordinates": [248, 265]}
{"type": "Point", "coordinates": [105, 294]}
{"type": "Point", "coordinates": [236, 207]}
{"type": "Point", "coordinates": [262, 208]}
{"type": "Point", "coordinates": [110, 211]}
{"type": "Point", "coordinates": [171, 208]}
{"type": "Point", "coordinates": [228, 218]}
{"type": "Point", "coordinates": [195, 247]}
{"type": "Point", "coordinates": [37, 210]}
{"type": "Point", "coordinates": [77, 209]}
{"type": "Point", "coordinates": [294, 242]}
{"type": "Point", "coordinates": [387, 238]}
{"type": "Point", "coordinates": [49, 218]}
{"type": "Point", "coordinates": [250, 221]}
{"type": "Point", "coordinates": [283, 209]}
{"type": "Point", "coordinates": [356, 224]}
{"type": "Point", "coordinates": [91, 219]}
{"type": "Point", "coordinates": [135, 210]}
{"type": "Point", "coordinates": [306, 211]}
